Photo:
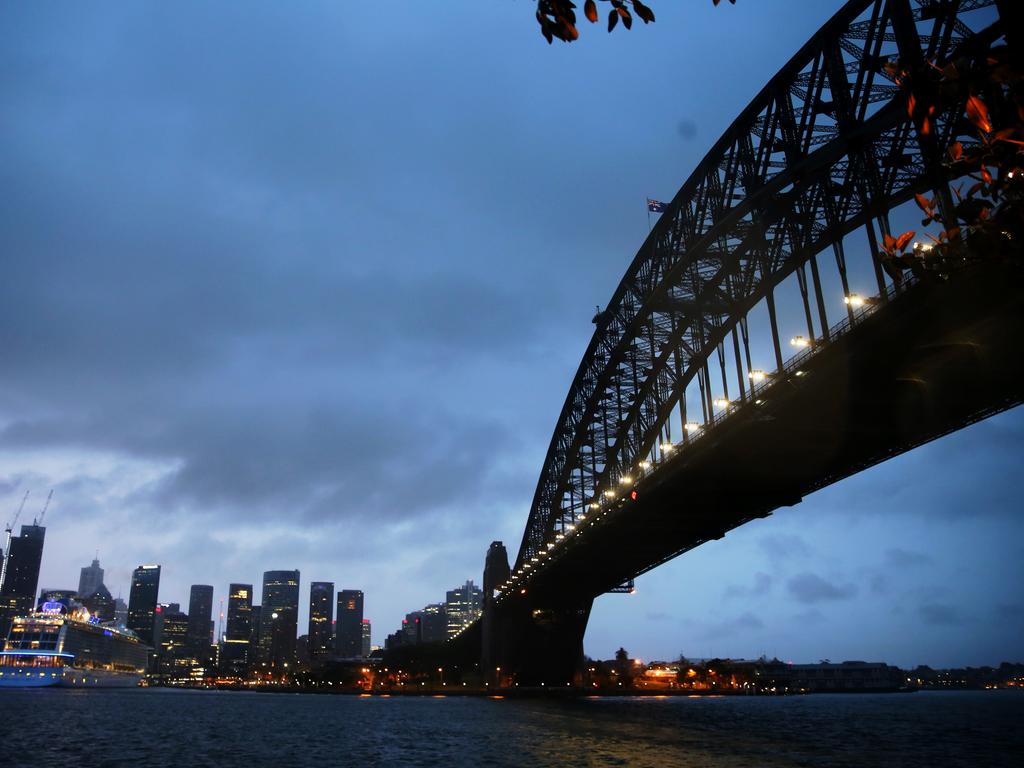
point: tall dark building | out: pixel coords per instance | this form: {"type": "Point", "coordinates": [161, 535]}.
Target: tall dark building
{"type": "Point", "coordinates": [91, 579]}
{"type": "Point", "coordinates": [21, 575]}
{"type": "Point", "coordinates": [349, 641]}
{"type": "Point", "coordinates": [321, 617]}
{"type": "Point", "coordinates": [235, 649]}
{"type": "Point", "coordinates": [279, 618]}
{"type": "Point", "coordinates": [254, 634]}
{"type": "Point", "coordinates": [200, 612]}
{"type": "Point", "coordinates": [142, 601]}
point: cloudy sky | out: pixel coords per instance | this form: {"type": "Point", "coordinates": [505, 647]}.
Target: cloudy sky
{"type": "Point", "coordinates": [303, 285]}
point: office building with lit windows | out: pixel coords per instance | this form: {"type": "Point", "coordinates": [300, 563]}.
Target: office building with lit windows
{"type": "Point", "coordinates": [279, 618]}
{"type": "Point", "coordinates": [142, 602]}
{"type": "Point", "coordinates": [463, 606]}
{"type": "Point", "coordinates": [349, 626]}
{"type": "Point", "coordinates": [321, 619]}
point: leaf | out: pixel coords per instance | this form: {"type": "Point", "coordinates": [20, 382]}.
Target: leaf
{"type": "Point", "coordinates": [902, 240]}
{"type": "Point", "coordinates": [977, 112]}
{"type": "Point", "coordinates": [889, 242]}
{"type": "Point", "coordinates": [956, 150]}
{"type": "Point", "coordinates": [613, 19]}
{"type": "Point", "coordinates": [643, 12]}
{"type": "Point", "coordinates": [986, 175]}
{"type": "Point", "coordinates": [590, 11]}
{"type": "Point", "coordinates": [627, 20]}
{"type": "Point", "coordinates": [923, 203]}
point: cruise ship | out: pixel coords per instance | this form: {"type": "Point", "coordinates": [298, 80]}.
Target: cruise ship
{"type": "Point", "coordinates": [58, 645]}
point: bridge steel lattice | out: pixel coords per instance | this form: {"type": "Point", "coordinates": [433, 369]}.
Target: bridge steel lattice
{"type": "Point", "coordinates": [826, 148]}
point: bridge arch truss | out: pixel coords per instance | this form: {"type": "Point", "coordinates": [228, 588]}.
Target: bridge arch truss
{"type": "Point", "coordinates": [824, 150]}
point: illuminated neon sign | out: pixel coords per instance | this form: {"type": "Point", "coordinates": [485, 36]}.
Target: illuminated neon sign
{"type": "Point", "coordinates": [51, 608]}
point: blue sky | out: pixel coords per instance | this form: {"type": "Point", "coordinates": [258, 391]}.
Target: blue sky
{"type": "Point", "coordinates": [304, 286]}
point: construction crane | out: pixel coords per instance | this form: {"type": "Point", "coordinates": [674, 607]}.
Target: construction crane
{"type": "Point", "coordinates": [7, 538]}
{"type": "Point", "coordinates": [46, 506]}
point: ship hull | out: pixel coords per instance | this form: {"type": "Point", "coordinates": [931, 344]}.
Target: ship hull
{"type": "Point", "coordinates": [68, 677]}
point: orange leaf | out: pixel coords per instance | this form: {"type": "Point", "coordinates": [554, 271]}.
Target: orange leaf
{"type": "Point", "coordinates": [922, 202]}
{"type": "Point", "coordinates": [590, 11]}
{"type": "Point", "coordinates": [956, 150]}
{"type": "Point", "coordinates": [978, 114]}
{"type": "Point", "coordinates": [911, 103]}
{"type": "Point", "coordinates": [889, 241]}
{"type": "Point", "coordinates": [903, 239]}
{"type": "Point", "coordinates": [986, 175]}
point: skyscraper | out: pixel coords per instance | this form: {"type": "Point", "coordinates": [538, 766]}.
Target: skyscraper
{"type": "Point", "coordinates": [200, 611]}
{"type": "Point", "coordinates": [120, 612]}
{"type": "Point", "coordinates": [279, 618]}
{"type": "Point", "coordinates": [321, 616]}
{"type": "Point", "coordinates": [21, 575]}
{"type": "Point", "coordinates": [349, 641]}
{"type": "Point", "coordinates": [100, 603]}
{"type": "Point", "coordinates": [464, 605]}
{"type": "Point", "coordinates": [366, 638]}
{"type": "Point", "coordinates": [142, 601]}
{"type": "Point", "coordinates": [90, 580]}
{"type": "Point", "coordinates": [235, 651]}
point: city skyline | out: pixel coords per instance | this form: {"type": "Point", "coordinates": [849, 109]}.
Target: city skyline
{"type": "Point", "coordinates": [269, 336]}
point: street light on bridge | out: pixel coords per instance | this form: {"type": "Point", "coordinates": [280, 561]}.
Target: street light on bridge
{"type": "Point", "coordinates": [757, 375]}
{"type": "Point", "coordinates": [691, 426]}
{"type": "Point", "coordinates": [800, 342]}
{"type": "Point", "coordinates": [854, 300]}
{"type": "Point", "coordinates": [722, 402]}
{"type": "Point", "coordinates": [625, 480]}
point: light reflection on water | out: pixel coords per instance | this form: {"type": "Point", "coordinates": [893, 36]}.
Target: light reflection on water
{"type": "Point", "coordinates": [159, 727]}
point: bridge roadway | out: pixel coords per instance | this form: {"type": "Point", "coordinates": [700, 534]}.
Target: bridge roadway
{"type": "Point", "coordinates": [936, 357]}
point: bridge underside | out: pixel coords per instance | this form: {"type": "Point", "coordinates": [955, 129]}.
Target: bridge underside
{"type": "Point", "coordinates": [938, 357]}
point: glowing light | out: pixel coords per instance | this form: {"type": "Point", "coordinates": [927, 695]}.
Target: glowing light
{"type": "Point", "coordinates": [609, 494]}
{"type": "Point", "coordinates": [691, 426]}
{"type": "Point", "coordinates": [644, 465]}
{"type": "Point", "coordinates": [625, 480]}
{"type": "Point", "coordinates": [854, 300]}
{"type": "Point", "coordinates": [722, 402]}
{"type": "Point", "coordinates": [594, 505]}
{"type": "Point", "coordinates": [757, 375]}
{"type": "Point", "coordinates": [799, 341]}
{"type": "Point", "coordinates": [666, 447]}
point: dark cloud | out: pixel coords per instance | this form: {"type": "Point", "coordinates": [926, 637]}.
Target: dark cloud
{"type": "Point", "coordinates": [782, 547]}
{"type": "Point", "coordinates": [940, 615]}
{"type": "Point", "coordinates": [904, 558]}
{"type": "Point", "coordinates": [729, 628]}
{"type": "Point", "coordinates": [762, 586]}
{"type": "Point", "coordinates": [811, 588]}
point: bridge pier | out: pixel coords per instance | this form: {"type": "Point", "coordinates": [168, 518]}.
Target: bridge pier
{"type": "Point", "coordinates": [533, 646]}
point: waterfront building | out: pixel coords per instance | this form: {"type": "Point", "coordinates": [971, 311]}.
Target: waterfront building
{"type": "Point", "coordinates": [463, 606]}
{"type": "Point", "coordinates": [91, 579]}
{"type": "Point", "coordinates": [279, 618]}
{"type": "Point", "coordinates": [99, 603]}
{"type": "Point", "coordinates": [235, 649]}
{"type": "Point", "coordinates": [321, 616]}
{"type": "Point", "coordinates": [120, 612]}
{"type": "Point", "coordinates": [200, 615]}
{"type": "Point", "coordinates": [142, 602]}
{"type": "Point", "coordinates": [349, 640]}
{"type": "Point", "coordinates": [19, 575]}
{"type": "Point", "coordinates": [254, 634]}
{"type": "Point", "coordinates": [367, 647]}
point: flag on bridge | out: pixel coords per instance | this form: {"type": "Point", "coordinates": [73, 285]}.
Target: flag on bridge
{"type": "Point", "coordinates": [655, 206]}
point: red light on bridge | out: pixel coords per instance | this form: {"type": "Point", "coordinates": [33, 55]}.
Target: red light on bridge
{"type": "Point", "coordinates": [633, 495]}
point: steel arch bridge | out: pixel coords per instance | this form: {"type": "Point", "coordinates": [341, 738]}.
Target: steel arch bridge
{"type": "Point", "coordinates": [824, 149]}
{"type": "Point", "coordinates": [651, 454]}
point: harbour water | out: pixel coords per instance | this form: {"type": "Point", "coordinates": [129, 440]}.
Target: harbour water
{"type": "Point", "coordinates": [159, 727]}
